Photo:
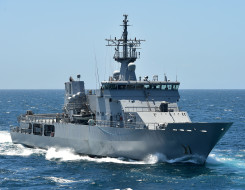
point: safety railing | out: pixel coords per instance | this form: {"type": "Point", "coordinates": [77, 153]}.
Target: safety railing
{"type": "Point", "coordinates": [122, 55]}
{"type": "Point", "coordinates": [56, 118]}
{"type": "Point", "coordinates": [131, 125]}
{"type": "Point", "coordinates": [140, 109]}
{"type": "Point", "coordinates": [41, 118]}
{"type": "Point", "coordinates": [147, 109]}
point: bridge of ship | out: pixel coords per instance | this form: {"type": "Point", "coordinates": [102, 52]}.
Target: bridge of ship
{"type": "Point", "coordinates": [140, 85]}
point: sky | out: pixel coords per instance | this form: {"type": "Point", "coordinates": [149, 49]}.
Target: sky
{"type": "Point", "coordinates": [43, 42]}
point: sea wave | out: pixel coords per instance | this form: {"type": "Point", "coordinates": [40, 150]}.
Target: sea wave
{"type": "Point", "coordinates": [60, 180]}
{"type": "Point", "coordinates": [9, 149]}
{"type": "Point", "coordinates": [218, 159]}
{"type": "Point", "coordinates": [69, 155]}
{"type": "Point", "coordinates": [5, 137]}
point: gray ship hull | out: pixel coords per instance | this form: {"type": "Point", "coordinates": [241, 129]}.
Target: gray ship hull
{"type": "Point", "coordinates": [174, 141]}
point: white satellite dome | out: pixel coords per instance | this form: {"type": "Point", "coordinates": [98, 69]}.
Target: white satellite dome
{"type": "Point", "coordinates": [116, 74]}
{"type": "Point", "coordinates": [131, 67]}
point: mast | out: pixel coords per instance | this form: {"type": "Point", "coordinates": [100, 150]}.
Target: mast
{"type": "Point", "coordinates": [125, 52]}
{"type": "Point", "coordinates": [125, 35]}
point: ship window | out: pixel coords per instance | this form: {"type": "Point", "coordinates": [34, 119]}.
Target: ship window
{"type": "Point", "coordinates": [112, 86]}
{"type": "Point", "coordinates": [121, 86]}
{"type": "Point", "coordinates": [139, 86]}
{"type": "Point", "coordinates": [158, 87]}
{"type": "Point", "coordinates": [49, 130]}
{"type": "Point", "coordinates": [164, 87]}
{"type": "Point", "coordinates": [175, 87]}
{"type": "Point", "coordinates": [147, 86]}
{"type": "Point", "coordinates": [169, 87]}
{"type": "Point", "coordinates": [104, 86]}
{"type": "Point", "coordinates": [130, 86]}
{"type": "Point", "coordinates": [37, 129]}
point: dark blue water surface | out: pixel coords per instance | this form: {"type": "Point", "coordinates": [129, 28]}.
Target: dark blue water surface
{"type": "Point", "coordinates": [25, 168]}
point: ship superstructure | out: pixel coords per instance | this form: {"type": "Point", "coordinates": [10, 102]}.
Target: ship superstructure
{"type": "Point", "coordinates": [126, 117]}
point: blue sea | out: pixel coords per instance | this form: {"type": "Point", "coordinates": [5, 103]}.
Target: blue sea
{"type": "Point", "coordinates": [25, 168]}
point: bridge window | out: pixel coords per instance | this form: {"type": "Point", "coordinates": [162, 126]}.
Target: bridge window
{"type": "Point", "coordinates": [112, 86]}
{"type": "Point", "coordinates": [175, 87]}
{"type": "Point", "coordinates": [169, 87]}
{"type": "Point", "coordinates": [121, 86]}
{"type": "Point", "coordinates": [139, 86]}
{"type": "Point", "coordinates": [147, 86]}
{"type": "Point", "coordinates": [130, 86]}
{"type": "Point", "coordinates": [158, 86]}
{"type": "Point", "coordinates": [164, 87]}
{"type": "Point", "coordinates": [109, 86]}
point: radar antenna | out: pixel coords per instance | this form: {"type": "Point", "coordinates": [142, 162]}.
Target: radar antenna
{"type": "Point", "coordinates": [125, 51]}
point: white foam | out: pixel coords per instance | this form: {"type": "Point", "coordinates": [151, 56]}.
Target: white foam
{"type": "Point", "coordinates": [69, 155]}
{"type": "Point", "coordinates": [59, 180]}
{"type": "Point", "coordinates": [212, 160]}
{"type": "Point", "coordinates": [19, 150]}
{"type": "Point", "coordinates": [61, 154]}
{"type": "Point", "coordinates": [227, 109]}
{"type": "Point", "coordinates": [216, 159]}
{"type": "Point", "coordinates": [5, 137]}
{"type": "Point", "coordinates": [194, 159]}
{"type": "Point", "coordinates": [10, 149]}
{"type": "Point", "coordinates": [154, 158]}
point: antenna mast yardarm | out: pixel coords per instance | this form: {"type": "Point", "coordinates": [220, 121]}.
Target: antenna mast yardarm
{"type": "Point", "coordinates": [125, 49]}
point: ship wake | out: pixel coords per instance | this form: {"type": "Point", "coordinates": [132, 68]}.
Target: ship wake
{"type": "Point", "coordinates": [64, 155]}
{"type": "Point", "coordinates": [9, 149]}
{"type": "Point", "coordinates": [227, 161]}
{"type": "Point", "coordinates": [156, 158]}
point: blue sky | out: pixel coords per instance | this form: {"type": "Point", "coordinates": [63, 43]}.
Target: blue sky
{"type": "Point", "coordinates": [42, 43]}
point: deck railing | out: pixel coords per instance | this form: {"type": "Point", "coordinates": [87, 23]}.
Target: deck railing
{"type": "Point", "coordinates": [60, 118]}
{"type": "Point", "coordinates": [41, 118]}
{"type": "Point", "coordinates": [131, 125]}
{"type": "Point", "coordinates": [129, 54]}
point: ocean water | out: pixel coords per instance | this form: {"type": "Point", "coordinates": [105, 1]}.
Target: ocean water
{"type": "Point", "coordinates": [25, 168]}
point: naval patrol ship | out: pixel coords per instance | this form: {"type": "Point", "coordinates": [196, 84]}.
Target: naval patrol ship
{"type": "Point", "coordinates": [125, 117]}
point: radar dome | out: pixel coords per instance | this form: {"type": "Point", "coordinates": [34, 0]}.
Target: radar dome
{"type": "Point", "coordinates": [131, 67]}
{"type": "Point", "coordinates": [116, 74]}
